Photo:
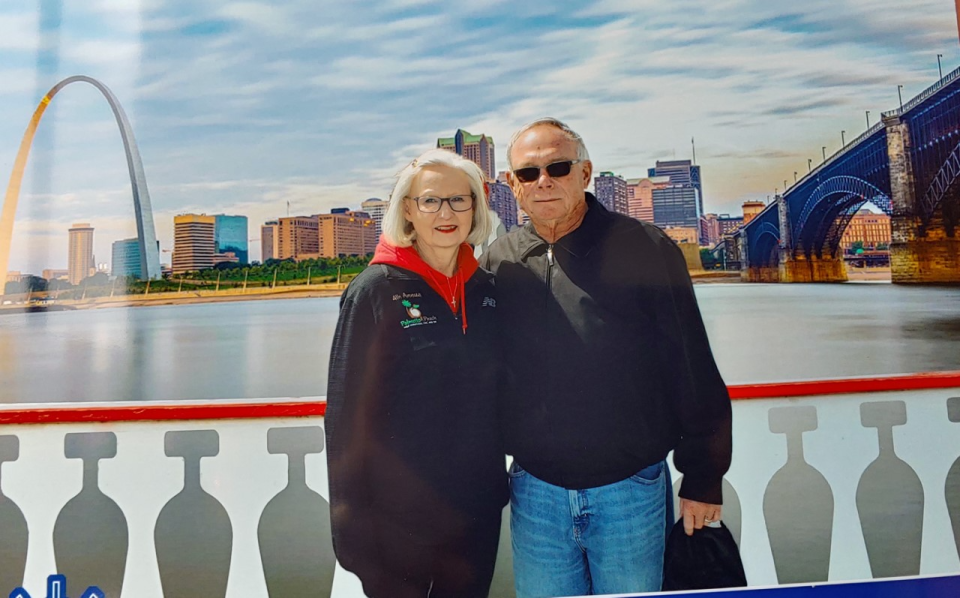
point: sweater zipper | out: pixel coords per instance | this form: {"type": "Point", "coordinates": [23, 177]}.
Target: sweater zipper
{"type": "Point", "coordinates": [549, 270]}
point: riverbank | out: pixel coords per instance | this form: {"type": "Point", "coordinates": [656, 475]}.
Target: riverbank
{"type": "Point", "coordinates": [869, 274]}
{"type": "Point", "coordinates": [18, 303]}
{"type": "Point", "coordinates": [177, 298]}
{"type": "Point", "coordinates": [712, 276]}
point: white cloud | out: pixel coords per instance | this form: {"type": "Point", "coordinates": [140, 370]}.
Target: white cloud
{"type": "Point", "coordinates": [321, 105]}
{"type": "Point", "coordinates": [18, 31]}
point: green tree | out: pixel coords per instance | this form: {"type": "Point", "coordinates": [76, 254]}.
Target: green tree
{"type": "Point", "coordinates": [97, 280]}
{"type": "Point", "coordinates": [59, 284]}
{"type": "Point", "coordinates": [26, 284]}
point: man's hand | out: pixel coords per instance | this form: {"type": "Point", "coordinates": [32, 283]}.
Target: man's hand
{"type": "Point", "coordinates": [696, 514]}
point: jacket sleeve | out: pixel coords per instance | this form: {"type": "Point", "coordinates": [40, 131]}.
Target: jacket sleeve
{"type": "Point", "coordinates": [352, 398]}
{"type": "Point", "coordinates": [702, 403]}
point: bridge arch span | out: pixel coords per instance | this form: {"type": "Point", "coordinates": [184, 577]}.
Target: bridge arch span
{"type": "Point", "coordinates": [946, 177]}
{"type": "Point", "coordinates": [826, 226]}
{"type": "Point", "coordinates": [146, 232]}
{"type": "Point", "coordinates": [765, 246]}
{"type": "Point", "coordinates": [828, 209]}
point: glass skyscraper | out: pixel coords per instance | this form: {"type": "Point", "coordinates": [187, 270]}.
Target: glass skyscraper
{"type": "Point", "coordinates": [126, 258]}
{"type": "Point", "coordinates": [231, 236]}
{"type": "Point", "coordinates": [676, 206]}
{"type": "Point", "coordinates": [681, 172]}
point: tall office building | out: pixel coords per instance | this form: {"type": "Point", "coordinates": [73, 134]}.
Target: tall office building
{"type": "Point", "coordinates": [751, 209]}
{"type": "Point", "coordinates": [640, 196]}
{"type": "Point", "coordinates": [502, 201]}
{"type": "Point", "coordinates": [231, 236]}
{"type": "Point", "coordinates": [376, 208]}
{"type": "Point", "coordinates": [125, 258]}
{"type": "Point", "coordinates": [269, 241]}
{"type": "Point", "coordinates": [80, 260]}
{"type": "Point", "coordinates": [681, 172]}
{"type": "Point", "coordinates": [194, 242]}
{"type": "Point", "coordinates": [676, 205]}
{"type": "Point", "coordinates": [298, 238]}
{"type": "Point", "coordinates": [611, 191]}
{"type": "Point", "coordinates": [478, 148]}
{"type": "Point", "coordinates": [345, 232]}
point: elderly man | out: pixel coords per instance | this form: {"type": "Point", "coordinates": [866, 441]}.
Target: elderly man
{"type": "Point", "coordinates": [609, 369]}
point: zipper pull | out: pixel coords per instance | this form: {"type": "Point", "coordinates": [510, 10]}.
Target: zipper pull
{"type": "Point", "coordinates": [550, 254]}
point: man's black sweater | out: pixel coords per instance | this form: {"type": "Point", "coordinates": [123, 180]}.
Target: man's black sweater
{"type": "Point", "coordinates": [609, 366]}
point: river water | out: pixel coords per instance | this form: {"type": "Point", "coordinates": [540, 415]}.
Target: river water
{"type": "Point", "coordinates": [280, 348]}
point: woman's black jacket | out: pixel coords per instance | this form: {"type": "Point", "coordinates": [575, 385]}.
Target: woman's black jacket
{"type": "Point", "coordinates": [413, 443]}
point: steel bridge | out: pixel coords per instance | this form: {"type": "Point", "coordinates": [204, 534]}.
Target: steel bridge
{"type": "Point", "coordinates": [908, 165]}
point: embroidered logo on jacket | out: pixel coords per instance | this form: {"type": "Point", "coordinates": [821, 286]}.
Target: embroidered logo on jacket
{"type": "Point", "coordinates": [489, 302]}
{"type": "Point", "coordinates": [416, 316]}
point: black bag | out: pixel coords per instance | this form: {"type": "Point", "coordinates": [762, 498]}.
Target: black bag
{"type": "Point", "coordinates": [707, 559]}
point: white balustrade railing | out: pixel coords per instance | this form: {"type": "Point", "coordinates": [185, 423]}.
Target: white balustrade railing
{"type": "Point", "coordinates": [842, 487]}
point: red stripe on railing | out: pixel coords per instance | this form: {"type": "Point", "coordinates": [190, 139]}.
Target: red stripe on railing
{"type": "Point", "coordinates": [80, 413]}
{"type": "Point", "coordinates": [62, 414]}
{"type": "Point", "coordinates": [845, 386]}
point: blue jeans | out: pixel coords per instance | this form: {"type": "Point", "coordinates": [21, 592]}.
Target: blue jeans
{"type": "Point", "coordinates": [605, 540]}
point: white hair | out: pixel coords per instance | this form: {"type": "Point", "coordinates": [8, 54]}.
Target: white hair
{"type": "Point", "coordinates": [550, 122]}
{"type": "Point", "coordinates": [399, 231]}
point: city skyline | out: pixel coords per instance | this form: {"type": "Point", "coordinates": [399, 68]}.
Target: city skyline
{"type": "Point", "coordinates": [374, 208]}
{"type": "Point", "coordinates": [275, 109]}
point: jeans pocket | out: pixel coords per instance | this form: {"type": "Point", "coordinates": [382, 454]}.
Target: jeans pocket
{"type": "Point", "coordinates": [649, 475]}
{"type": "Point", "coordinates": [515, 470]}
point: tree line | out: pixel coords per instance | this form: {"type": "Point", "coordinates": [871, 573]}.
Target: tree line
{"type": "Point", "coordinates": [269, 274]}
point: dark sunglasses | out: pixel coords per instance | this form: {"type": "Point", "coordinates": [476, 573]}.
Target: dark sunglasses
{"type": "Point", "coordinates": [555, 170]}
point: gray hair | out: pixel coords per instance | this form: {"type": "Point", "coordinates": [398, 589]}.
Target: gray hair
{"type": "Point", "coordinates": [399, 231]}
{"type": "Point", "coordinates": [550, 122]}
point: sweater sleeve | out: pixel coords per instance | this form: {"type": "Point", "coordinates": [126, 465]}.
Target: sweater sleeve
{"type": "Point", "coordinates": [352, 398]}
{"type": "Point", "coordinates": [702, 404]}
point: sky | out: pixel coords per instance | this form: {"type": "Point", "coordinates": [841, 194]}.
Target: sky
{"type": "Point", "coordinates": [248, 107]}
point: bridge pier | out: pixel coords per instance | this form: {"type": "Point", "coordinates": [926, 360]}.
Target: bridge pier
{"type": "Point", "coordinates": [811, 269]}
{"type": "Point", "coordinates": [760, 274]}
{"type": "Point", "coordinates": [930, 258]}
{"type": "Point", "coordinates": [919, 253]}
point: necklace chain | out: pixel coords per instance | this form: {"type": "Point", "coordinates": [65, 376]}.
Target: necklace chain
{"type": "Point", "coordinates": [456, 286]}
{"type": "Point", "coordinates": [452, 291]}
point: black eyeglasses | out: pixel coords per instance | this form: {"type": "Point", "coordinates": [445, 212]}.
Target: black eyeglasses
{"type": "Point", "coordinates": [432, 205]}
{"type": "Point", "coordinates": [555, 170]}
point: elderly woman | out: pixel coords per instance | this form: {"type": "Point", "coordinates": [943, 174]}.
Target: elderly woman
{"type": "Point", "coordinates": [417, 477]}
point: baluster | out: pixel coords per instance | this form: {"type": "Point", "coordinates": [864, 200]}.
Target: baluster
{"type": "Point", "coordinates": [952, 489]}
{"type": "Point", "coordinates": [890, 498]}
{"type": "Point", "coordinates": [294, 531]}
{"type": "Point", "coordinates": [193, 535]}
{"type": "Point", "coordinates": [13, 525]}
{"type": "Point", "coordinates": [90, 538]}
{"type": "Point", "coordinates": [798, 504]}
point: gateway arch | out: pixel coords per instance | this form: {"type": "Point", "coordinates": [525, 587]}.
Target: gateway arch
{"type": "Point", "coordinates": [146, 233]}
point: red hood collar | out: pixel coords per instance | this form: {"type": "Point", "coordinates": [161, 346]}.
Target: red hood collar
{"type": "Point", "coordinates": [408, 259]}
